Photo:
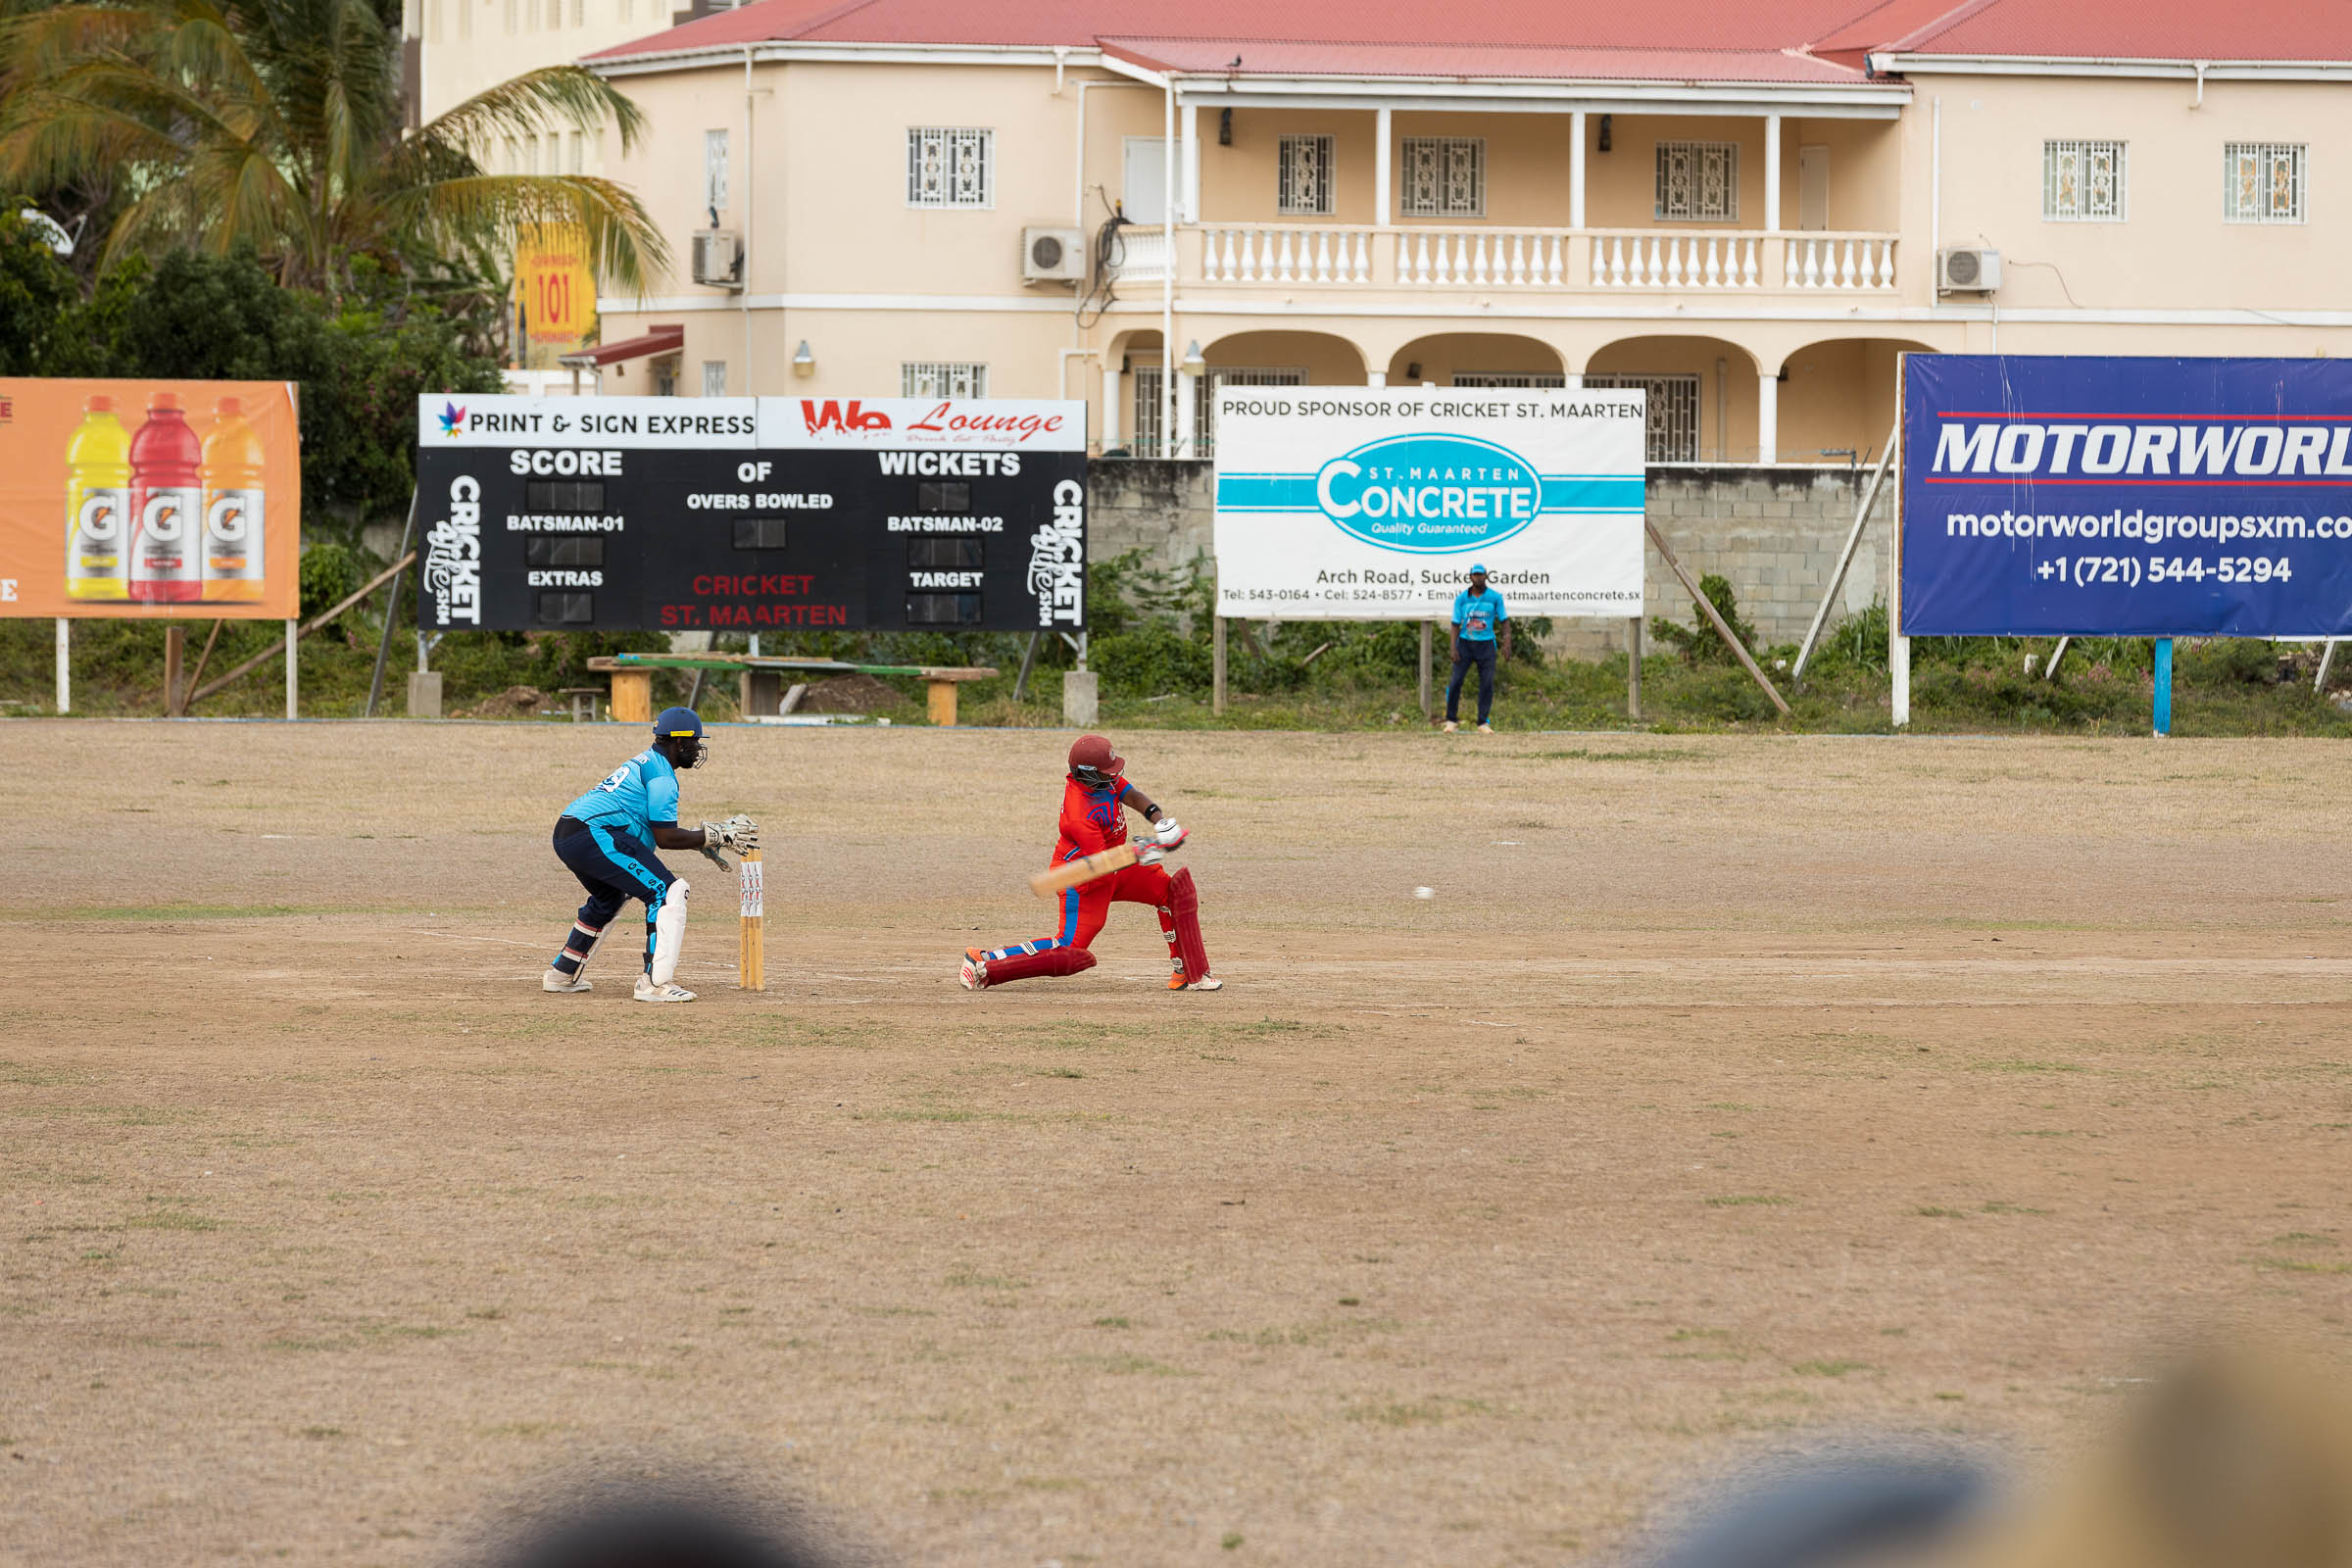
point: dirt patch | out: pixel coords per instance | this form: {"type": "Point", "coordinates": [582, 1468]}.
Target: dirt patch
{"type": "Point", "coordinates": [515, 702]}
{"type": "Point", "coordinates": [851, 694]}
{"type": "Point", "coordinates": [1728, 1093]}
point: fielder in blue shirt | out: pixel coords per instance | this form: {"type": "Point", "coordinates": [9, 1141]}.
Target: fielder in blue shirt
{"type": "Point", "coordinates": [1479, 619]}
{"type": "Point", "coordinates": [608, 837]}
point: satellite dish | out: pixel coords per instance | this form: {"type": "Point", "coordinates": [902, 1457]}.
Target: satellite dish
{"type": "Point", "coordinates": [49, 229]}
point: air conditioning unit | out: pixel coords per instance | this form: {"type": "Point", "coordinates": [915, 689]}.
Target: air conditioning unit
{"type": "Point", "coordinates": [1968, 272]}
{"type": "Point", "coordinates": [1053, 255]}
{"type": "Point", "coordinates": [717, 258]}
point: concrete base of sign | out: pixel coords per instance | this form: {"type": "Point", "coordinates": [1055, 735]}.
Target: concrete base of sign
{"type": "Point", "coordinates": [1081, 692]}
{"type": "Point", "coordinates": [425, 694]}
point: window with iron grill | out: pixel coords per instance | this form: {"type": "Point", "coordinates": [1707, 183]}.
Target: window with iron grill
{"type": "Point", "coordinates": [1673, 401]}
{"type": "Point", "coordinates": [2262, 182]}
{"type": "Point", "coordinates": [715, 379]}
{"type": "Point", "coordinates": [1444, 176]}
{"type": "Point", "coordinates": [1698, 182]}
{"type": "Point", "coordinates": [1528, 378]}
{"type": "Point", "coordinates": [1147, 423]}
{"type": "Point", "coordinates": [948, 168]}
{"type": "Point", "coordinates": [2084, 181]}
{"type": "Point", "coordinates": [943, 379]}
{"type": "Point", "coordinates": [1303, 178]}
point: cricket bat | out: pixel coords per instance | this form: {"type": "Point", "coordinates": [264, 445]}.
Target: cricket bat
{"type": "Point", "coordinates": [1070, 873]}
{"type": "Point", "coordinates": [750, 964]}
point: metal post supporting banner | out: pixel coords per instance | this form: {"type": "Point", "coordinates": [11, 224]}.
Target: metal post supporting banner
{"type": "Point", "coordinates": [2164, 686]}
{"type": "Point", "coordinates": [1633, 669]}
{"type": "Point", "coordinates": [293, 682]}
{"type": "Point", "coordinates": [1216, 688]}
{"type": "Point", "coordinates": [384, 647]}
{"type": "Point", "coordinates": [1020, 682]}
{"type": "Point", "coordinates": [2050, 670]}
{"type": "Point", "coordinates": [2319, 682]}
{"type": "Point", "coordinates": [1424, 701]}
{"type": "Point", "coordinates": [64, 665]}
{"type": "Point", "coordinates": [1898, 646]}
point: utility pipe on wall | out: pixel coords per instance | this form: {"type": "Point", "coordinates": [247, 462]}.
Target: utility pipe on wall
{"type": "Point", "coordinates": [1167, 274]}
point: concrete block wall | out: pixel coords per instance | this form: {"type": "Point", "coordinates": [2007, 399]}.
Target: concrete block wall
{"type": "Point", "coordinates": [1773, 531]}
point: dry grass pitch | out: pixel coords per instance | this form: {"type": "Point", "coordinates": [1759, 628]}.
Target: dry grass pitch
{"type": "Point", "coordinates": [1730, 1092]}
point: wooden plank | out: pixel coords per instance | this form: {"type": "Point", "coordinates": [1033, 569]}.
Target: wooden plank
{"type": "Point", "coordinates": [1633, 669]}
{"type": "Point", "coordinates": [1707, 607]}
{"type": "Point", "coordinates": [197, 674]}
{"type": "Point", "coordinates": [176, 645]}
{"type": "Point", "coordinates": [323, 618]}
{"type": "Point", "coordinates": [941, 695]}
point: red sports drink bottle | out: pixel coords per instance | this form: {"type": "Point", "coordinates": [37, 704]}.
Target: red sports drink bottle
{"type": "Point", "coordinates": [166, 507]}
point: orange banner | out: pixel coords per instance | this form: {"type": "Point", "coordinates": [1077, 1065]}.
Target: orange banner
{"type": "Point", "coordinates": [141, 499]}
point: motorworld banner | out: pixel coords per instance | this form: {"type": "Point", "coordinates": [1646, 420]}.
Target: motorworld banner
{"type": "Point", "coordinates": [751, 514]}
{"type": "Point", "coordinates": [2049, 495]}
{"type": "Point", "coordinates": [1372, 503]}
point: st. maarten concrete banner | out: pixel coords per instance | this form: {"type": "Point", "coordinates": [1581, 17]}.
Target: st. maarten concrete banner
{"type": "Point", "coordinates": [1373, 502]}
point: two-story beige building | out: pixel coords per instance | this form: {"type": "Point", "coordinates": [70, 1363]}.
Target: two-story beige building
{"type": "Point", "coordinates": [1749, 211]}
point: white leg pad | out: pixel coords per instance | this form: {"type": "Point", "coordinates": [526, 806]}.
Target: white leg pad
{"type": "Point", "coordinates": [669, 934]}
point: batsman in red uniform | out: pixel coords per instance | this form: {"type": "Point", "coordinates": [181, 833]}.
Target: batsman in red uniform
{"type": "Point", "coordinates": [1093, 807]}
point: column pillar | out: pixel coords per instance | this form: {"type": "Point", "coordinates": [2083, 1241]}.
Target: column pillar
{"type": "Point", "coordinates": [1576, 171]}
{"type": "Point", "coordinates": [1384, 207]}
{"type": "Point", "coordinates": [1768, 417]}
{"type": "Point", "coordinates": [1772, 173]}
{"type": "Point", "coordinates": [1110, 403]}
{"type": "Point", "coordinates": [1191, 200]}
{"type": "Point", "coordinates": [1188, 395]}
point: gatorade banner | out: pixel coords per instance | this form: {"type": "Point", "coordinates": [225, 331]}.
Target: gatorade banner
{"type": "Point", "coordinates": [137, 499]}
{"type": "Point", "coordinates": [2063, 495]}
{"type": "Point", "coordinates": [1374, 503]}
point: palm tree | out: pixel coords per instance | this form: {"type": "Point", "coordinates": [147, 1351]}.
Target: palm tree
{"type": "Point", "coordinates": [277, 123]}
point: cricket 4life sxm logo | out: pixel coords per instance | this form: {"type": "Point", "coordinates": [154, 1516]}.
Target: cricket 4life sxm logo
{"type": "Point", "coordinates": [452, 556]}
{"type": "Point", "coordinates": [1057, 558]}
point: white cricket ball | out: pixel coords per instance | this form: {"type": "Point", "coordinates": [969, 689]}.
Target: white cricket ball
{"type": "Point", "coordinates": [1425, 892]}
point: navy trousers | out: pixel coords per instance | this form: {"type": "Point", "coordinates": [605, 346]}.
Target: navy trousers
{"type": "Point", "coordinates": [1468, 652]}
{"type": "Point", "coordinates": [614, 867]}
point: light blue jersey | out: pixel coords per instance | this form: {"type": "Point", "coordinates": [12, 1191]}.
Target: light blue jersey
{"type": "Point", "coordinates": [1479, 615]}
{"type": "Point", "coordinates": [639, 793]}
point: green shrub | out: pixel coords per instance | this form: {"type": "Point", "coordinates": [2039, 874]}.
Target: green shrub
{"type": "Point", "coordinates": [1699, 642]}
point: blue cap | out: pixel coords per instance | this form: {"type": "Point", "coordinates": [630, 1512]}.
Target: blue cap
{"type": "Point", "coordinates": [678, 722]}
{"type": "Point", "coordinates": [1478, 568]}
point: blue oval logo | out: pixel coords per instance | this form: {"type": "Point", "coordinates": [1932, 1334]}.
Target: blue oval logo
{"type": "Point", "coordinates": [1430, 493]}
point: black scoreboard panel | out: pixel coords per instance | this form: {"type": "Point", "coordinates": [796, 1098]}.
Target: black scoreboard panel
{"type": "Point", "coordinates": [740, 539]}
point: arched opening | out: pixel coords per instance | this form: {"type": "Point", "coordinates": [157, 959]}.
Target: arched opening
{"type": "Point", "coordinates": [1256, 359]}
{"type": "Point", "coordinates": [1476, 359]}
{"type": "Point", "coordinates": [1703, 395]}
{"type": "Point", "coordinates": [1838, 399]}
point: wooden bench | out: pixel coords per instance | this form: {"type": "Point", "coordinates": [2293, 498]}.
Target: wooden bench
{"type": "Point", "coordinates": [632, 677]}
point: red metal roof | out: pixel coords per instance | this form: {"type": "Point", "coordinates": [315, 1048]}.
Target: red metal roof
{"type": "Point", "coordinates": [1790, 42]}
{"type": "Point", "coordinates": [661, 340]}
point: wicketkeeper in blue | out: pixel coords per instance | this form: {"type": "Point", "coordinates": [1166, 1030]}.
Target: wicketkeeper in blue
{"type": "Point", "coordinates": [608, 837]}
{"type": "Point", "coordinates": [1478, 619]}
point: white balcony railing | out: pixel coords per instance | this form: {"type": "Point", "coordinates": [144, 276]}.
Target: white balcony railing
{"type": "Point", "coordinates": [1706, 261]}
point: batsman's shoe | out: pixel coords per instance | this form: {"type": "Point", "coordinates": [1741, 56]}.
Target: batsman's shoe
{"type": "Point", "coordinates": [553, 980]}
{"type": "Point", "coordinates": [975, 969]}
{"type": "Point", "coordinates": [1452, 726]}
{"type": "Point", "coordinates": [647, 991]}
{"type": "Point", "coordinates": [1207, 982]}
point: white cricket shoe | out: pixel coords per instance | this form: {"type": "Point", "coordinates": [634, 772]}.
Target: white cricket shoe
{"type": "Point", "coordinates": [1452, 726]}
{"type": "Point", "coordinates": [1207, 982]}
{"type": "Point", "coordinates": [647, 991]}
{"type": "Point", "coordinates": [1485, 729]}
{"type": "Point", "coordinates": [553, 980]}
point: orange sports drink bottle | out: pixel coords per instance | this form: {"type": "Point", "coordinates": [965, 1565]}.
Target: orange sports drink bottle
{"type": "Point", "coordinates": [232, 505]}
{"type": "Point", "coordinates": [166, 505]}
{"type": "Point", "coordinates": [98, 504]}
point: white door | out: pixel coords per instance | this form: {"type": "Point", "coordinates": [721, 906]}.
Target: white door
{"type": "Point", "coordinates": [1144, 188]}
{"type": "Point", "coordinates": [1813, 188]}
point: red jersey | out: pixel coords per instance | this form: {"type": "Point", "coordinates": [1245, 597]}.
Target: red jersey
{"type": "Point", "coordinates": [1092, 819]}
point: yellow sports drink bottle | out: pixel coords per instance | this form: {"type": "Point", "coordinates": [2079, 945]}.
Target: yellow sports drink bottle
{"type": "Point", "coordinates": [98, 504]}
{"type": "Point", "coordinates": [232, 505]}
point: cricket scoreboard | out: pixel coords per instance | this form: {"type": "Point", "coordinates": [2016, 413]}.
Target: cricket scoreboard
{"type": "Point", "coordinates": [750, 513]}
